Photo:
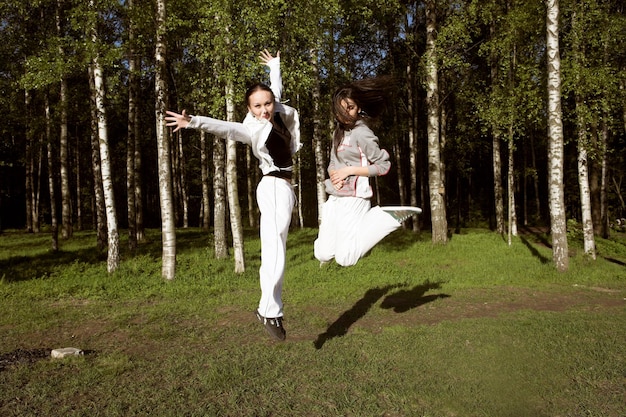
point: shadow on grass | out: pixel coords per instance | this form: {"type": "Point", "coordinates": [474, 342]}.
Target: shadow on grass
{"type": "Point", "coordinates": [41, 265]}
{"type": "Point", "coordinates": [404, 300]}
{"type": "Point", "coordinates": [400, 301]}
{"type": "Point", "coordinates": [534, 251]}
{"type": "Point", "coordinates": [22, 268]}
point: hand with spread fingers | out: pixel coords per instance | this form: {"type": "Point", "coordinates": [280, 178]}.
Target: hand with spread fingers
{"type": "Point", "coordinates": [180, 120]}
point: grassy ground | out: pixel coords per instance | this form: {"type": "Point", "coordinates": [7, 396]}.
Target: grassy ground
{"type": "Point", "coordinates": [473, 328]}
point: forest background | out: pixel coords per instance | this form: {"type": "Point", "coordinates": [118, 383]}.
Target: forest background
{"type": "Point", "coordinates": [84, 86]}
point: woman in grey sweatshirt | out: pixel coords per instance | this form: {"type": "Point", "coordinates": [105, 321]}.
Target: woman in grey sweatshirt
{"type": "Point", "coordinates": [350, 226]}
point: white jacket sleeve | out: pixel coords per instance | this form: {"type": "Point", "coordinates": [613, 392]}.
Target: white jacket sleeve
{"type": "Point", "coordinates": [276, 79]}
{"type": "Point", "coordinates": [226, 130]}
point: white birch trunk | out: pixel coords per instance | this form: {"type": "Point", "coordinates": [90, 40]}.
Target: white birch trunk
{"type": "Point", "coordinates": [133, 92]}
{"type": "Point", "coordinates": [511, 189]}
{"type": "Point", "coordinates": [412, 144]}
{"type": "Point", "coordinates": [231, 186]}
{"type": "Point", "coordinates": [558, 221]}
{"type": "Point", "coordinates": [582, 147]}
{"type": "Point", "coordinates": [54, 226]}
{"type": "Point", "coordinates": [585, 197]}
{"type": "Point", "coordinates": [113, 252]}
{"type": "Point", "coordinates": [66, 198]}
{"type": "Point", "coordinates": [184, 195]}
{"type": "Point", "coordinates": [251, 167]}
{"type": "Point", "coordinates": [205, 213]}
{"type": "Point", "coordinates": [219, 198]}
{"type": "Point", "coordinates": [604, 210]}
{"type": "Point", "coordinates": [318, 140]}
{"type": "Point", "coordinates": [99, 209]}
{"type": "Point", "coordinates": [78, 185]}
{"type": "Point", "coordinates": [436, 186]}
{"type": "Point", "coordinates": [168, 229]}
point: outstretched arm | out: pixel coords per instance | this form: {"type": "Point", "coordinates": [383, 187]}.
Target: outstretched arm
{"type": "Point", "coordinates": [220, 128]}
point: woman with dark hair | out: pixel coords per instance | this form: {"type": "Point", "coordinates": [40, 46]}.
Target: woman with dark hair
{"type": "Point", "coordinates": [350, 226]}
{"type": "Point", "coordinates": [272, 129]}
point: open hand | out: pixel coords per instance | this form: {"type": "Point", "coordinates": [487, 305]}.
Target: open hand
{"type": "Point", "coordinates": [179, 120]}
{"type": "Point", "coordinates": [265, 56]}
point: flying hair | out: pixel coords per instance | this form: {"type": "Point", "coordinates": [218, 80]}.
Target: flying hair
{"type": "Point", "coordinates": [371, 95]}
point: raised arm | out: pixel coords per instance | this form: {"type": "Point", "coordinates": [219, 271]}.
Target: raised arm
{"type": "Point", "coordinates": [276, 80]}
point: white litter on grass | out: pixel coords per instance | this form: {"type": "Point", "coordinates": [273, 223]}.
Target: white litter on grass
{"type": "Point", "coordinates": [68, 351]}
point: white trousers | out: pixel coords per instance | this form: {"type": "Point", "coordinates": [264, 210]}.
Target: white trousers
{"type": "Point", "coordinates": [350, 227]}
{"type": "Point", "coordinates": [276, 199]}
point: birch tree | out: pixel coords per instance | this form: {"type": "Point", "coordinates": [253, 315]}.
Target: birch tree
{"type": "Point", "coordinates": [231, 186]}
{"type": "Point", "coordinates": [98, 188]}
{"type": "Point", "coordinates": [133, 122]}
{"type": "Point", "coordinates": [205, 213]}
{"type": "Point", "coordinates": [318, 137]}
{"type": "Point", "coordinates": [54, 225]}
{"type": "Point", "coordinates": [582, 143]}
{"type": "Point", "coordinates": [168, 229]}
{"type": "Point", "coordinates": [436, 187]}
{"type": "Point", "coordinates": [558, 221]}
{"type": "Point", "coordinates": [219, 198]}
{"type": "Point", "coordinates": [66, 198]}
{"type": "Point", "coordinates": [113, 251]}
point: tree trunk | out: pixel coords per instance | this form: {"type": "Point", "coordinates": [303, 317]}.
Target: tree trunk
{"type": "Point", "coordinates": [412, 120]}
{"type": "Point", "coordinates": [318, 140]}
{"type": "Point", "coordinates": [498, 191]}
{"type": "Point", "coordinates": [219, 198]}
{"type": "Point", "coordinates": [54, 226]}
{"type": "Point", "coordinates": [29, 167]}
{"type": "Point", "coordinates": [604, 210]}
{"type": "Point", "coordinates": [582, 145]}
{"type": "Point", "coordinates": [37, 189]}
{"type": "Point", "coordinates": [138, 185]}
{"type": "Point", "coordinates": [300, 183]}
{"type": "Point", "coordinates": [79, 198]}
{"type": "Point", "coordinates": [113, 259]}
{"type": "Point", "coordinates": [205, 213]}
{"type": "Point", "coordinates": [595, 170]}
{"type": "Point", "coordinates": [133, 93]}
{"type": "Point", "coordinates": [436, 186]}
{"type": "Point", "coordinates": [251, 167]}
{"type": "Point", "coordinates": [100, 211]}
{"type": "Point", "coordinates": [184, 195]}
{"type": "Point", "coordinates": [558, 221]}
{"type": "Point", "coordinates": [168, 228]}
{"type": "Point", "coordinates": [511, 188]}
{"type": "Point", "coordinates": [66, 198]}
{"type": "Point", "coordinates": [583, 183]}
{"type": "Point", "coordinates": [231, 185]}
{"type": "Point", "coordinates": [535, 177]}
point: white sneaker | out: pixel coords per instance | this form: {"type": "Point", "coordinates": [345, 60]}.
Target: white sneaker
{"type": "Point", "coordinates": [401, 213]}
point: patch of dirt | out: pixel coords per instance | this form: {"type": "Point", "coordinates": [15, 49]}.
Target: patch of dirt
{"type": "Point", "coordinates": [22, 356]}
{"type": "Point", "coordinates": [492, 302]}
{"type": "Point", "coordinates": [375, 309]}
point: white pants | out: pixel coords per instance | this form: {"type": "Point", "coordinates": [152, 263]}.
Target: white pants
{"type": "Point", "coordinates": [276, 199]}
{"type": "Point", "coordinates": [350, 227]}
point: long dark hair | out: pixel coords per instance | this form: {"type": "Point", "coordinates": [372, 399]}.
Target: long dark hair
{"type": "Point", "coordinates": [371, 95]}
{"type": "Point", "coordinates": [256, 87]}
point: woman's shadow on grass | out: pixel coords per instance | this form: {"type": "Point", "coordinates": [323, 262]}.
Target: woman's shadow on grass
{"type": "Point", "coordinates": [400, 301]}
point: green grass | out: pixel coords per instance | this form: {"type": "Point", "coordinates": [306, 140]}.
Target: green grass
{"type": "Point", "coordinates": [473, 328]}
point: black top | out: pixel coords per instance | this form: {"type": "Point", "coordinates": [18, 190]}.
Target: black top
{"type": "Point", "coordinates": [278, 143]}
